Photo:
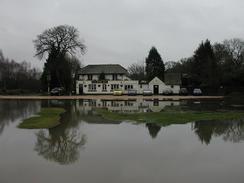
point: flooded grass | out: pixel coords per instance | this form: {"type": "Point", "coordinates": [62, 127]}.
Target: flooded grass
{"type": "Point", "coordinates": [170, 117]}
{"type": "Point", "coordinates": [85, 142]}
{"type": "Point", "coordinates": [47, 118]}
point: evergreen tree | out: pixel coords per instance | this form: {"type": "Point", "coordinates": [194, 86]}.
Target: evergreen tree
{"type": "Point", "coordinates": [102, 76]}
{"type": "Point", "coordinates": [154, 65]}
{"type": "Point", "coordinates": [61, 71]}
{"type": "Point", "coordinates": [205, 67]}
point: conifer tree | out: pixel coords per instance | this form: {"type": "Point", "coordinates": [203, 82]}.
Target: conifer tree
{"type": "Point", "coordinates": [205, 67]}
{"type": "Point", "coordinates": [154, 65]}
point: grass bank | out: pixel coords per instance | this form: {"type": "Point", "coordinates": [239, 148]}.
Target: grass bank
{"type": "Point", "coordinates": [46, 118]}
{"type": "Point", "coordinates": [169, 117]}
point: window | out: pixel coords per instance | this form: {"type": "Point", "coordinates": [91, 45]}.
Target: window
{"type": "Point", "coordinates": [128, 103]}
{"type": "Point", "coordinates": [92, 87]}
{"type": "Point", "coordinates": [114, 86]}
{"type": "Point", "coordinates": [115, 77]}
{"type": "Point", "coordinates": [128, 87]}
{"type": "Point", "coordinates": [104, 103]}
{"type": "Point", "coordinates": [92, 103]}
{"type": "Point", "coordinates": [104, 87]}
{"type": "Point", "coordinates": [115, 104]}
{"type": "Point", "coordinates": [89, 76]}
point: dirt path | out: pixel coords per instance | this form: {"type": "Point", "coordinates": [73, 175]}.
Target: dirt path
{"type": "Point", "coordinates": [107, 97]}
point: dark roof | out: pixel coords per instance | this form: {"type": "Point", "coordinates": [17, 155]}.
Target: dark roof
{"type": "Point", "coordinates": [103, 68]}
{"type": "Point", "coordinates": [172, 78]}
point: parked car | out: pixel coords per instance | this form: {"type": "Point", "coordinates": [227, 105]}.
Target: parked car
{"type": "Point", "coordinates": [147, 92]}
{"type": "Point", "coordinates": [197, 91]}
{"type": "Point", "coordinates": [57, 91]}
{"type": "Point", "coordinates": [132, 92]}
{"type": "Point", "coordinates": [167, 91]}
{"type": "Point", "coordinates": [183, 91]}
{"type": "Point", "coordinates": [118, 92]}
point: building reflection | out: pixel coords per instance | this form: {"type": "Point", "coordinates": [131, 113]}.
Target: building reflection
{"type": "Point", "coordinates": [63, 143]}
{"type": "Point", "coordinates": [126, 106]}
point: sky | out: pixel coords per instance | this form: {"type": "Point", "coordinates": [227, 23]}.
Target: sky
{"type": "Point", "coordinates": [121, 31]}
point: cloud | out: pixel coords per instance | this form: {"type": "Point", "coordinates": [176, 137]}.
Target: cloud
{"type": "Point", "coordinates": [121, 31]}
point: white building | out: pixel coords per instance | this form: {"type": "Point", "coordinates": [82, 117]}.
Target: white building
{"type": "Point", "coordinates": [105, 78]}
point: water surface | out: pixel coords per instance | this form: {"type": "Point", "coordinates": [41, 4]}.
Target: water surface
{"type": "Point", "coordinates": [88, 148]}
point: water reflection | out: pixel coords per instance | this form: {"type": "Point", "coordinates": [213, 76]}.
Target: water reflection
{"type": "Point", "coordinates": [140, 105]}
{"type": "Point", "coordinates": [63, 148]}
{"type": "Point", "coordinates": [126, 106]}
{"type": "Point", "coordinates": [153, 129]}
{"type": "Point", "coordinates": [205, 130]}
{"type": "Point", "coordinates": [232, 131]}
{"type": "Point", "coordinates": [63, 143]}
{"type": "Point", "coordinates": [119, 152]}
{"type": "Point", "coordinates": [13, 110]}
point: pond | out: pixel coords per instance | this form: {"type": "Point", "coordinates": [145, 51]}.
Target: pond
{"type": "Point", "coordinates": [87, 147]}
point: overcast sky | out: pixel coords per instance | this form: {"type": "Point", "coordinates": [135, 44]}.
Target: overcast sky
{"type": "Point", "coordinates": [121, 31]}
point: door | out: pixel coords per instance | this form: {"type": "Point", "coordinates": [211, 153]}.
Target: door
{"type": "Point", "coordinates": [80, 89]}
{"type": "Point", "coordinates": [155, 89]}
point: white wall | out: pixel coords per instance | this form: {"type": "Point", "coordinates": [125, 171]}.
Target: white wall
{"type": "Point", "coordinates": [99, 86]}
{"type": "Point", "coordinates": [176, 89]}
{"type": "Point", "coordinates": [136, 86]}
{"type": "Point", "coordinates": [95, 77]}
{"type": "Point", "coordinates": [161, 84]}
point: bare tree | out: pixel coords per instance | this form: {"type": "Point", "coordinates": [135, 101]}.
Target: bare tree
{"type": "Point", "coordinates": [137, 71]}
{"type": "Point", "coordinates": [170, 65]}
{"type": "Point", "coordinates": [18, 76]}
{"type": "Point", "coordinates": [62, 39]}
{"type": "Point", "coordinates": [58, 43]}
{"type": "Point", "coordinates": [235, 47]}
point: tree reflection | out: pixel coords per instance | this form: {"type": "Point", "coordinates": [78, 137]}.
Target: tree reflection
{"type": "Point", "coordinates": [62, 144]}
{"type": "Point", "coordinates": [153, 129]}
{"type": "Point", "coordinates": [232, 130]}
{"type": "Point", "coordinates": [62, 148]}
{"type": "Point", "coordinates": [11, 111]}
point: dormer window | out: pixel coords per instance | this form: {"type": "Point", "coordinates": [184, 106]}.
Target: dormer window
{"type": "Point", "coordinates": [115, 77]}
{"type": "Point", "coordinates": [89, 76]}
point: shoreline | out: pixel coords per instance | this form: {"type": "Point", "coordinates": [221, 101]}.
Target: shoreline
{"type": "Point", "coordinates": [107, 97]}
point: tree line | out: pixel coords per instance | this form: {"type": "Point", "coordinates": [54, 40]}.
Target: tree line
{"type": "Point", "coordinates": [215, 68]}
{"type": "Point", "coordinates": [212, 67]}
{"type": "Point", "coordinates": [16, 78]}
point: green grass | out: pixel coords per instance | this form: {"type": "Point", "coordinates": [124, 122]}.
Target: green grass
{"type": "Point", "coordinates": [170, 117]}
{"type": "Point", "coordinates": [47, 118]}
